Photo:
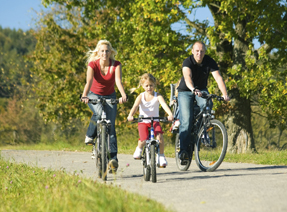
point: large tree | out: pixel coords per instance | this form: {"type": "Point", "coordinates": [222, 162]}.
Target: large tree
{"type": "Point", "coordinates": [141, 32]}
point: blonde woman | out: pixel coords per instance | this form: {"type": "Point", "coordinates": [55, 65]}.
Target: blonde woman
{"type": "Point", "coordinates": [102, 75]}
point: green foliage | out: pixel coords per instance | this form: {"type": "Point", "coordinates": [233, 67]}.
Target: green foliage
{"type": "Point", "coordinates": [14, 69]}
{"type": "Point", "coordinates": [25, 188]}
{"type": "Point", "coordinates": [140, 31]}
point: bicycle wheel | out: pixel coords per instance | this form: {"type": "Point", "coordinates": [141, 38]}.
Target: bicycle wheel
{"type": "Point", "coordinates": [153, 163]}
{"type": "Point", "coordinates": [104, 151]}
{"type": "Point", "coordinates": [178, 162]}
{"type": "Point", "coordinates": [146, 168]}
{"type": "Point", "coordinates": [210, 151]}
{"type": "Point", "coordinates": [97, 158]}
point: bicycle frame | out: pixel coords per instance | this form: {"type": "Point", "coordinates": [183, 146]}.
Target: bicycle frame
{"type": "Point", "coordinates": [101, 148]}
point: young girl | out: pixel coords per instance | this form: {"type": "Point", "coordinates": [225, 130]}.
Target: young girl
{"type": "Point", "coordinates": [148, 104]}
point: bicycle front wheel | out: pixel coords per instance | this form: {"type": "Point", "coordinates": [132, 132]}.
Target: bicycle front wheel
{"type": "Point", "coordinates": [104, 152]}
{"type": "Point", "coordinates": [211, 146]}
{"type": "Point", "coordinates": [178, 162]}
{"type": "Point", "coordinates": [153, 163]}
{"type": "Point", "coordinates": [146, 167]}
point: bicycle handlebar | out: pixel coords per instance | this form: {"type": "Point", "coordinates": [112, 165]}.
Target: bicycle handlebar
{"type": "Point", "coordinates": [208, 96]}
{"type": "Point", "coordinates": [102, 100]}
{"type": "Point", "coordinates": [139, 119]}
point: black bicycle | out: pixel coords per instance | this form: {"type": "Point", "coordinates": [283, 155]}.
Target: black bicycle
{"type": "Point", "coordinates": [150, 150]}
{"type": "Point", "coordinates": [101, 151]}
{"type": "Point", "coordinates": [210, 136]}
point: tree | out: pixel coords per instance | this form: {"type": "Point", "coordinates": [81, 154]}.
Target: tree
{"type": "Point", "coordinates": [253, 76]}
{"type": "Point", "coordinates": [140, 31]}
{"type": "Point", "coordinates": [142, 34]}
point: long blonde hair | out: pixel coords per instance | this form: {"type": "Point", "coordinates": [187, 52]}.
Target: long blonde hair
{"type": "Point", "coordinates": [93, 54]}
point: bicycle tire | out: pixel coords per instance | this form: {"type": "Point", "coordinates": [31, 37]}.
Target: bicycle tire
{"type": "Point", "coordinates": [97, 161]}
{"type": "Point", "coordinates": [146, 168]}
{"type": "Point", "coordinates": [209, 157]}
{"type": "Point", "coordinates": [178, 162]}
{"type": "Point", "coordinates": [104, 152]}
{"type": "Point", "coordinates": [153, 163]}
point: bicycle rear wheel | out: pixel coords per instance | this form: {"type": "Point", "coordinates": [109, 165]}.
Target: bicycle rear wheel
{"type": "Point", "coordinates": [104, 152]}
{"type": "Point", "coordinates": [210, 150]}
{"type": "Point", "coordinates": [153, 163]}
{"type": "Point", "coordinates": [146, 167]}
{"type": "Point", "coordinates": [178, 161]}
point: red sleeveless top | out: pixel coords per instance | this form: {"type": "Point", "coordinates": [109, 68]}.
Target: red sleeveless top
{"type": "Point", "coordinates": [103, 84]}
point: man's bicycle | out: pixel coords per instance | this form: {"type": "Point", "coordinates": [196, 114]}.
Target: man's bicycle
{"type": "Point", "coordinates": [210, 136]}
{"type": "Point", "coordinates": [101, 151]}
{"type": "Point", "coordinates": [150, 150]}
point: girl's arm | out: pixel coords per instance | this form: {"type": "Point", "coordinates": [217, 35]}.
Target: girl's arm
{"type": "Point", "coordinates": [118, 79]}
{"type": "Point", "coordinates": [165, 107]}
{"type": "Point", "coordinates": [89, 82]}
{"type": "Point", "coordinates": [134, 108]}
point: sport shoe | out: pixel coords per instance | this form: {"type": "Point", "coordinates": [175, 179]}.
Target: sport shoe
{"type": "Point", "coordinates": [89, 141]}
{"type": "Point", "coordinates": [113, 166]}
{"type": "Point", "coordinates": [184, 158]}
{"type": "Point", "coordinates": [137, 153]}
{"type": "Point", "coordinates": [161, 161]}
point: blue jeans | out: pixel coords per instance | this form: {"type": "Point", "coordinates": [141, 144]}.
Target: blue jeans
{"type": "Point", "coordinates": [186, 112]}
{"type": "Point", "coordinates": [111, 112]}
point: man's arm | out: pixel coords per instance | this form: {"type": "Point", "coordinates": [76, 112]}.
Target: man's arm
{"type": "Point", "coordinates": [221, 84]}
{"type": "Point", "coordinates": [187, 74]}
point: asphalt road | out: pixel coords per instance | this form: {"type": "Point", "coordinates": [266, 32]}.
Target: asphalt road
{"type": "Point", "coordinates": [232, 187]}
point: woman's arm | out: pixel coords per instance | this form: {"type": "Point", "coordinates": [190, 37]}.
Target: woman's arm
{"type": "Point", "coordinates": [134, 108]}
{"type": "Point", "coordinates": [89, 82]}
{"type": "Point", "coordinates": [118, 79]}
{"type": "Point", "coordinates": [165, 107]}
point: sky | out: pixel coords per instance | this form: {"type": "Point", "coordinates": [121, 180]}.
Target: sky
{"type": "Point", "coordinates": [19, 14]}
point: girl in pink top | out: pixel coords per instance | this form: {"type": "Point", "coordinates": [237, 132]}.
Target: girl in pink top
{"type": "Point", "coordinates": [148, 104]}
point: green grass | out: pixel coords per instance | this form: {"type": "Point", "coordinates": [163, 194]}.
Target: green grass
{"type": "Point", "coordinates": [25, 188]}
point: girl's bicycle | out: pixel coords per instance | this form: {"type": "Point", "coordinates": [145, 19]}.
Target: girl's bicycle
{"type": "Point", "coordinates": [150, 151]}
{"type": "Point", "coordinates": [101, 151]}
{"type": "Point", "coordinates": [210, 136]}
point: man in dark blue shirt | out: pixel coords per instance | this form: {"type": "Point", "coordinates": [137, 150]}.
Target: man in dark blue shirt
{"type": "Point", "coordinates": [195, 69]}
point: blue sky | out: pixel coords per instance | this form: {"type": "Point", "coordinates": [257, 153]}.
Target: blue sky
{"type": "Point", "coordinates": [18, 14]}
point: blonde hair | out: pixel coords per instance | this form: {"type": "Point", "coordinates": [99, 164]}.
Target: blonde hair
{"type": "Point", "coordinates": [145, 77]}
{"type": "Point", "coordinates": [93, 54]}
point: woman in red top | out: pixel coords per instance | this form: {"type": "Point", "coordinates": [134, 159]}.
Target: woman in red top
{"type": "Point", "coordinates": [102, 75]}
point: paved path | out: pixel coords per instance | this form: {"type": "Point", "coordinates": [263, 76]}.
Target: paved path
{"type": "Point", "coordinates": [232, 187]}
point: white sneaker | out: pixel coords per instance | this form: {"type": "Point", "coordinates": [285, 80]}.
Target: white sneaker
{"type": "Point", "coordinates": [137, 153]}
{"type": "Point", "coordinates": [89, 141]}
{"type": "Point", "coordinates": [161, 161]}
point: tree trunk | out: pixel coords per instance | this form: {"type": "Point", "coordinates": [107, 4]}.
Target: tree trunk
{"type": "Point", "coordinates": [238, 126]}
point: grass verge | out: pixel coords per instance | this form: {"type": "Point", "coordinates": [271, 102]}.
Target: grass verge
{"type": "Point", "coordinates": [25, 188]}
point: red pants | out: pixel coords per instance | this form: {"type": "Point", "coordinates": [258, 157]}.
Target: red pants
{"type": "Point", "coordinates": [144, 132]}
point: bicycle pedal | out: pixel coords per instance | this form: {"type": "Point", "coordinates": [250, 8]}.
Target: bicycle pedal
{"type": "Point", "coordinates": [90, 144]}
{"type": "Point", "coordinates": [161, 166]}
{"type": "Point", "coordinates": [137, 158]}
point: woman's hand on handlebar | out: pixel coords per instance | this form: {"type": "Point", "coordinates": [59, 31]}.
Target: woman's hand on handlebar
{"type": "Point", "coordinates": [123, 99]}
{"type": "Point", "coordinates": [85, 99]}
